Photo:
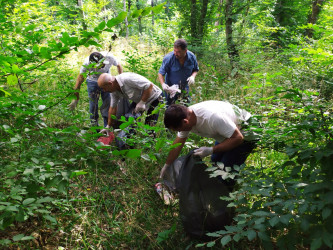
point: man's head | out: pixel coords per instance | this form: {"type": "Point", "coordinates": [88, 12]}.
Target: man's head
{"type": "Point", "coordinates": [97, 58]}
{"type": "Point", "coordinates": [177, 117]}
{"type": "Point", "coordinates": [180, 48]}
{"type": "Point", "coordinates": [106, 82]}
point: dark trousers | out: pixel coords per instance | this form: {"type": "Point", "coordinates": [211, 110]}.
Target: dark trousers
{"type": "Point", "coordinates": [235, 156]}
{"type": "Point", "coordinates": [151, 119]}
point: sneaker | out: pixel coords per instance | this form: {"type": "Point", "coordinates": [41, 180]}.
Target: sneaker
{"type": "Point", "coordinates": [163, 193]}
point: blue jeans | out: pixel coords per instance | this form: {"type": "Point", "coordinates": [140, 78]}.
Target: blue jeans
{"type": "Point", "coordinates": [94, 92]}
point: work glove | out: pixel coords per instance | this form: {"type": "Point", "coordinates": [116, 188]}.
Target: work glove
{"type": "Point", "coordinates": [106, 130]}
{"type": "Point", "coordinates": [165, 167]}
{"type": "Point", "coordinates": [190, 80]}
{"type": "Point", "coordinates": [165, 88]}
{"type": "Point", "coordinates": [141, 106]}
{"type": "Point", "coordinates": [174, 89]}
{"type": "Point", "coordinates": [73, 105]}
{"type": "Point", "coordinates": [203, 151]}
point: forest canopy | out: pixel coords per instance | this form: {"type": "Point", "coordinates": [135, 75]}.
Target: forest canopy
{"type": "Point", "coordinates": [60, 188]}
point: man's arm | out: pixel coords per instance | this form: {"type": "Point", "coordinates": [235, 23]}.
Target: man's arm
{"type": "Point", "coordinates": [141, 106]}
{"type": "Point", "coordinates": [112, 111]}
{"type": "Point", "coordinates": [146, 93]}
{"type": "Point", "coordinates": [174, 153]}
{"type": "Point", "coordinates": [79, 81]}
{"type": "Point", "coordinates": [119, 68]}
{"type": "Point", "coordinates": [235, 140]}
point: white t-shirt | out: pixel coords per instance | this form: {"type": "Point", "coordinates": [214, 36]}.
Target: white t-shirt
{"type": "Point", "coordinates": [132, 86]}
{"type": "Point", "coordinates": [95, 73]}
{"type": "Point", "coordinates": [216, 119]}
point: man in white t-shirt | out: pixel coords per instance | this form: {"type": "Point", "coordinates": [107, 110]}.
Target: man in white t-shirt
{"type": "Point", "coordinates": [213, 119]}
{"type": "Point", "coordinates": [94, 65]}
{"type": "Point", "coordinates": [131, 86]}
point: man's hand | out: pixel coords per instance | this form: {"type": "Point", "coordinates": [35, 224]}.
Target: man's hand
{"type": "Point", "coordinates": [174, 89]}
{"type": "Point", "coordinates": [73, 105]}
{"type": "Point", "coordinates": [203, 151]}
{"type": "Point", "coordinates": [190, 80]}
{"type": "Point", "coordinates": [106, 130]}
{"type": "Point", "coordinates": [141, 106]}
{"type": "Point", "coordinates": [165, 88]}
{"type": "Point", "coordinates": [163, 170]}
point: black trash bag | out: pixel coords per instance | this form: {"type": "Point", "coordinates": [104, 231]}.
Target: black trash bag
{"type": "Point", "coordinates": [201, 209]}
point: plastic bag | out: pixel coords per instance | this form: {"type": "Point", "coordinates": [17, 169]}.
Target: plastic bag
{"type": "Point", "coordinates": [201, 209]}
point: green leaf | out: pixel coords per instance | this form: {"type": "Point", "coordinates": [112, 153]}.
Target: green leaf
{"type": "Point", "coordinates": [12, 80]}
{"type": "Point", "coordinates": [117, 20]}
{"type": "Point", "coordinates": [12, 208]}
{"type": "Point", "coordinates": [315, 244]}
{"type": "Point", "coordinates": [225, 240]}
{"type": "Point", "coordinates": [62, 186]}
{"type": "Point", "coordinates": [211, 244]}
{"type": "Point", "coordinates": [146, 11]}
{"type": "Point", "coordinates": [136, 13]}
{"type": "Point", "coordinates": [261, 213]}
{"type": "Point", "coordinates": [50, 218]}
{"type": "Point", "coordinates": [237, 237]}
{"type": "Point", "coordinates": [251, 234]}
{"type": "Point", "coordinates": [274, 221]}
{"type": "Point", "coordinates": [28, 201]}
{"type": "Point", "coordinates": [45, 199]}
{"type": "Point", "coordinates": [18, 237]}
{"type": "Point", "coordinates": [326, 213]}
{"type": "Point", "coordinates": [263, 236]}
{"type": "Point", "coordinates": [134, 153]}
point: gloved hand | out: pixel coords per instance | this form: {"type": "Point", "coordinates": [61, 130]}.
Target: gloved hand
{"type": "Point", "coordinates": [73, 105]}
{"type": "Point", "coordinates": [141, 106]}
{"type": "Point", "coordinates": [190, 80]}
{"type": "Point", "coordinates": [203, 151]}
{"type": "Point", "coordinates": [165, 88]}
{"type": "Point", "coordinates": [163, 170]}
{"type": "Point", "coordinates": [174, 89]}
{"type": "Point", "coordinates": [106, 130]}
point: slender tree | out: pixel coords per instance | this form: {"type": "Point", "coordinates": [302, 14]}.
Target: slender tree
{"type": "Point", "coordinates": [231, 46]}
{"type": "Point", "coordinates": [313, 17]}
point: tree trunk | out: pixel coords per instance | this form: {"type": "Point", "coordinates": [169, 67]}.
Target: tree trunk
{"type": "Point", "coordinates": [152, 16]}
{"type": "Point", "coordinates": [80, 5]}
{"type": "Point", "coordinates": [219, 16]}
{"type": "Point", "coordinates": [231, 47]}
{"type": "Point", "coordinates": [126, 21]}
{"type": "Point", "coordinates": [193, 19]}
{"type": "Point", "coordinates": [313, 17]}
{"type": "Point", "coordinates": [139, 18]}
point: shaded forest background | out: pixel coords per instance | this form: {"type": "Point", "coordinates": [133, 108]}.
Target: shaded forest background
{"type": "Point", "coordinates": [270, 57]}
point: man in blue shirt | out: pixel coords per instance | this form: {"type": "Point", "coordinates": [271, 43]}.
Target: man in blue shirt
{"type": "Point", "coordinates": [179, 68]}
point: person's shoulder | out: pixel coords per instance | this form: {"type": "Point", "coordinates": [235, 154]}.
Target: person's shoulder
{"type": "Point", "coordinates": [169, 55]}
{"type": "Point", "coordinates": [191, 54]}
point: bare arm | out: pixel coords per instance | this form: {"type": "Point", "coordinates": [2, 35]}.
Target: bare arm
{"type": "Point", "coordinates": [161, 78]}
{"type": "Point", "coordinates": [120, 69]}
{"type": "Point", "coordinates": [174, 153]}
{"type": "Point", "coordinates": [146, 93]}
{"type": "Point", "coordinates": [79, 81]}
{"type": "Point", "coordinates": [235, 140]}
{"type": "Point", "coordinates": [112, 111]}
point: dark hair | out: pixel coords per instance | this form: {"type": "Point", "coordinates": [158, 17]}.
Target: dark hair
{"type": "Point", "coordinates": [95, 57]}
{"type": "Point", "coordinates": [174, 116]}
{"type": "Point", "coordinates": [180, 43]}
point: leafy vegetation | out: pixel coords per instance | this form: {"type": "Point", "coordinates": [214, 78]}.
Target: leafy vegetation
{"type": "Point", "coordinates": [61, 188]}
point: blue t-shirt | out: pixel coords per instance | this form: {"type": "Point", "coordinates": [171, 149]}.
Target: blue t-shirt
{"type": "Point", "coordinates": [175, 73]}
